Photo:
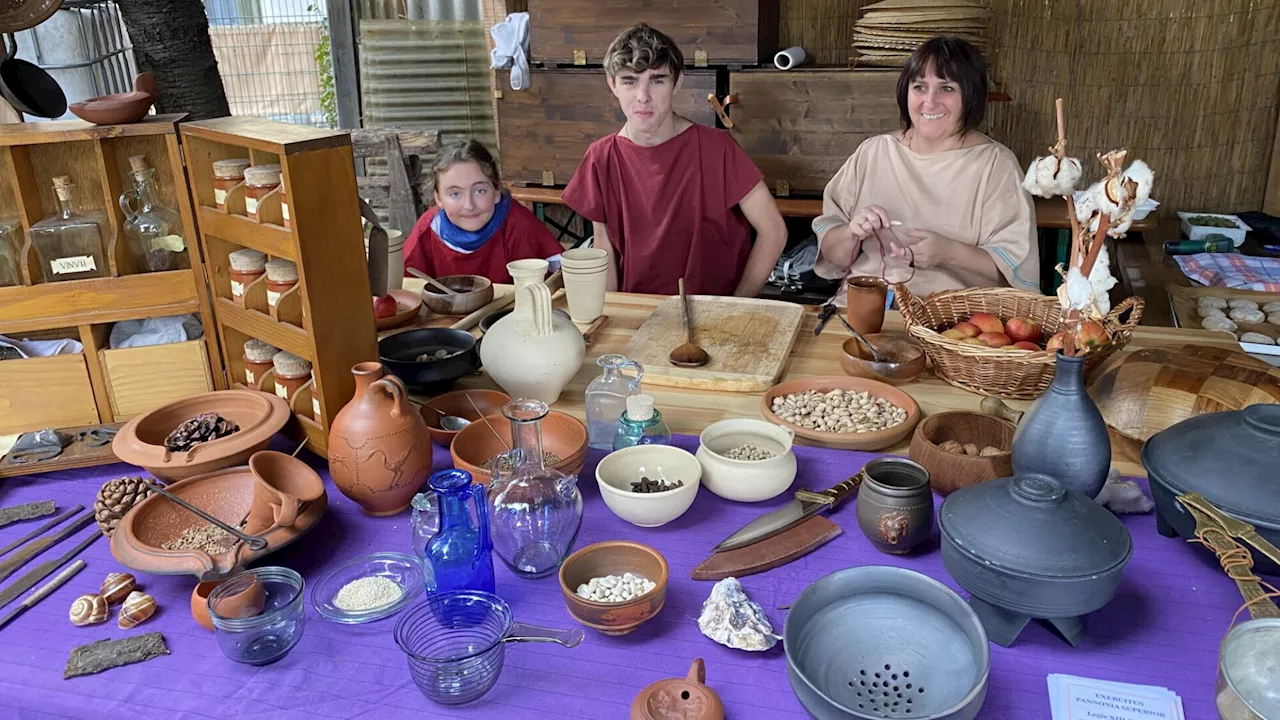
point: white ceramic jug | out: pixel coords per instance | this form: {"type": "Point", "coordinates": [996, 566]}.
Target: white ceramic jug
{"type": "Point", "coordinates": [533, 355]}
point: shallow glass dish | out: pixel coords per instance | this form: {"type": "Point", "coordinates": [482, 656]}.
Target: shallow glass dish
{"type": "Point", "coordinates": [401, 568]}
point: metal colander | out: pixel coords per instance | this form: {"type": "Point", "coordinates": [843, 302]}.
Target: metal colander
{"type": "Point", "coordinates": [883, 642]}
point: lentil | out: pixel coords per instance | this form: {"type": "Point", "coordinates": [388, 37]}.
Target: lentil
{"type": "Point", "coordinates": [206, 538]}
{"type": "Point", "coordinates": [615, 588]}
{"type": "Point", "coordinates": [367, 593]}
{"type": "Point", "coordinates": [838, 411]}
{"type": "Point", "coordinates": [750, 452]}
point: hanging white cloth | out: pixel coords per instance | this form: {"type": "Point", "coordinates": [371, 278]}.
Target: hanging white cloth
{"type": "Point", "coordinates": [511, 48]}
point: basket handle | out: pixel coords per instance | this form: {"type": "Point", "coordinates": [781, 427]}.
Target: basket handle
{"type": "Point", "coordinates": [908, 304]}
{"type": "Point", "coordinates": [1132, 305]}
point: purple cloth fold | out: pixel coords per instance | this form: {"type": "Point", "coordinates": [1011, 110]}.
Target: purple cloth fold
{"type": "Point", "coordinates": [1163, 628]}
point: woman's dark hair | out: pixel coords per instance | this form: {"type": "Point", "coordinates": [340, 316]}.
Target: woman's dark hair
{"type": "Point", "coordinates": [466, 151]}
{"type": "Point", "coordinates": [954, 59]}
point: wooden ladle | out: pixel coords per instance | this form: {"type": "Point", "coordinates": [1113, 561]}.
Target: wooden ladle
{"type": "Point", "coordinates": [688, 354]}
{"type": "Point", "coordinates": [431, 281]}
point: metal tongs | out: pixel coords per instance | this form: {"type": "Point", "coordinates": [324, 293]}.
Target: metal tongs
{"type": "Point", "coordinates": [255, 542]}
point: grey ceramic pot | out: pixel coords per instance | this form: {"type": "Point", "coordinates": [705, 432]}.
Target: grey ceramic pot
{"type": "Point", "coordinates": [1025, 547]}
{"type": "Point", "coordinates": [1063, 435]}
{"type": "Point", "coordinates": [895, 505]}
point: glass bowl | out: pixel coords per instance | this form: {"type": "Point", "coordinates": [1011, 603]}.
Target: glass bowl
{"type": "Point", "coordinates": [401, 568]}
{"type": "Point", "coordinates": [258, 615]}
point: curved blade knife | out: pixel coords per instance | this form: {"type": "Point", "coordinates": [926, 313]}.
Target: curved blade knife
{"type": "Point", "coordinates": [805, 505]}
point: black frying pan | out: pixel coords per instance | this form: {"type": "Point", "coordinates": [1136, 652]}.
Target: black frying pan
{"type": "Point", "coordinates": [27, 87]}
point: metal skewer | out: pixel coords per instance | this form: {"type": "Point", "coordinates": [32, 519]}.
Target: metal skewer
{"type": "Point", "coordinates": [254, 542]}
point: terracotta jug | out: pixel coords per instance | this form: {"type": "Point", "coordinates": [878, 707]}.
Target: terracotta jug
{"type": "Point", "coordinates": [686, 698]}
{"type": "Point", "coordinates": [282, 485]}
{"type": "Point", "coordinates": [379, 449]}
{"type": "Point", "coordinates": [533, 352]}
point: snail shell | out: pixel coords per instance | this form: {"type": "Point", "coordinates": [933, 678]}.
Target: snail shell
{"type": "Point", "coordinates": [89, 610]}
{"type": "Point", "coordinates": [137, 607]}
{"type": "Point", "coordinates": [116, 587]}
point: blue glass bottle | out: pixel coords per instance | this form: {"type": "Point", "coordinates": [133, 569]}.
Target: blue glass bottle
{"type": "Point", "coordinates": [460, 555]}
{"type": "Point", "coordinates": [640, 424]}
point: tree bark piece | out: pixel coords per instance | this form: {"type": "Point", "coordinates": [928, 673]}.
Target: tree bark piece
{"type": "Point", "coordinates": [26, 512]}
{"type": "Point", "coordinates": [107, 654]}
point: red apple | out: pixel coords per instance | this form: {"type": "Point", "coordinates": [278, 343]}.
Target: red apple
{"type": "Point", "coordinates": [1025, 345]}
{"type": "Point", "coordinates": [973, 341]}
{"type": "Point", "coordinates": [1091, 334]}
{"type": "Point", "coordinates": [995, 339]}
{"type": "Point", "coordinates": [954, 334]}
{"type": "Point", "coordinates": [1057, 342]}
{"type": "Point", "coordinates": [987, 323]}
{"type": "Point", "coordinates": [384, 307]}
{"type": "Point", "coordinates": [967, 329]}
{"type": "Point", "coordinates": [1022, 328]}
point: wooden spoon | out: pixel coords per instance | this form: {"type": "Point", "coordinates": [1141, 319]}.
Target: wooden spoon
{"type": "Point", "coordinates": [432, 281]}
{"type": "Point", "coordinates": [688, 354]}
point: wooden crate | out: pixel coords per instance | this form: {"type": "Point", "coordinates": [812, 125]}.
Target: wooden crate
{"type": "Point", "coordinates": [547, 128]}
{"type": "Point", "coordinates": [800, 126]}
{"type": "Point", "coordinates": [143, 378]}
{"type": "Point", "coordinates": [43, 392]}
{"type": "Point", "coordinates": [742, 32]}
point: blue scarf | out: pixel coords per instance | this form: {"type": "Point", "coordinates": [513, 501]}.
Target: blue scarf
{"type": "Point", "coordinates": [466, 241]}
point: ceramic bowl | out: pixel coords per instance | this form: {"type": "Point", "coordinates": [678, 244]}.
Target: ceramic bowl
{"type": "Point", "coordinates": [614, 558]}
{"type": "Point", "coordinates": [473, 293]}
{"type": "Point", "coordinates": [746, 480]}
{"type": "Point", "coordinates": [949, 471]}
{"type": "Point", "coordinates": [459, 404]}
{"type": "Point", "coordinates": [121, 108]}
{"type": "Point", "coordinates": [866, 441]}
{"type": "Point", "coordinates": [399, 354]}
{"type": "Point", "coordinates": [904, 359]}
{"type": "Point", "coordinates": [562, 435]}
{"type": "Point", "coordinates": [620, 468]}
{"type": "Point", "coordinates": [408, 304]}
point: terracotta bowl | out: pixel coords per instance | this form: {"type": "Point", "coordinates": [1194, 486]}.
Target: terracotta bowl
{"type": "Point", "coordinates": [247, 603]}
{"type": "Point", "coordinates": [904, 358]}
{"type": "Point", "coordinates": [949, 471]}
{"type": "Point", "coordinates": [867, 441]}
{"type": "Point", "coordinates": [408, 303]}
{"type": "Point", "coordinates": [474, 292]}
{"type": "Point", "coordinates": [614, 558]}
{"type": "Point", "coordinates": [458, 403]}
{"type": "Point", "coordinates": [259, 415]}
{"type": "Point", "coordinates": [562, 435]}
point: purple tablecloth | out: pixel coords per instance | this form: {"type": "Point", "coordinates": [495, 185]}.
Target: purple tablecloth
{"type": "Point", "coordinates": [1163, 628]}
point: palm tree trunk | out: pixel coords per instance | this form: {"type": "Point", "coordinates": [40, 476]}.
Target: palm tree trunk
{"type": "Point", "coordinates": [171, 39]}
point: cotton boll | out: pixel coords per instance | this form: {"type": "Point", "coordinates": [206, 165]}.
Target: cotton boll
{"type": "Point", "coordinates": [1144, 177]}
{"type": "Point", "coordinates": [1104, 202]}
{"type": "Point", "coordinates": [1119, 225]}
{"type": "Point", "coordinates": [1079, 291]}
{"type": "Point", "coordinates": [1039, 180]}
{"type": "Point", "coordinates": [1069, 171]}
{"type": "Point", "coordinates": [1101, 281]}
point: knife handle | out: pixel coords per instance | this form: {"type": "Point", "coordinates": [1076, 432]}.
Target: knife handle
{"type": "Point", "coordinates": [836, 495]}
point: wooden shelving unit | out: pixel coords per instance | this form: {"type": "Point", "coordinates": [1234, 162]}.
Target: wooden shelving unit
{"type": "Point", "coordinates": [327, 318]}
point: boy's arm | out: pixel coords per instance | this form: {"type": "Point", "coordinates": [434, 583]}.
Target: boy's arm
{"type": "Point", "coordinates": [771, 239]}
{"type": "Point", "coordinates": [602, 241]}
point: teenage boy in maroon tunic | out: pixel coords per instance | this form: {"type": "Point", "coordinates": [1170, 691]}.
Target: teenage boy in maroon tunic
{"type": "Point", "coordinates": [669, 198]}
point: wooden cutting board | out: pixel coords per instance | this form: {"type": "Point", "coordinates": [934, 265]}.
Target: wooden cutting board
{"type": "Point", "coordinates": [749, 341]}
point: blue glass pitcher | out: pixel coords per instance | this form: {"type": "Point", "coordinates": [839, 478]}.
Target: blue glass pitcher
{"type": "Point", "coordinates": [460, 555]}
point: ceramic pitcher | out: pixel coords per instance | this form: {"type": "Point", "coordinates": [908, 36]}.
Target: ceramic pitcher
{"type": "Point", "coordinates": [379, 449]}
{"type": "Point", "coordinates": [1063, 435]}
{"type": "Point", "coordinates": [533, 356]}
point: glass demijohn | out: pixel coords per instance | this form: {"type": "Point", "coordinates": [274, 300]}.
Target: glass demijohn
{"type": "Point", "coordinates": [641, 424]}
{"type": "Point", "coordinates": [607, 398]}
{"type": "Point", "coordinates": [536, 510]}
{"type": "Point", "coordinates": [155, 232]}
{"type": "Point", "coordinates": [460, 555]}
{"type": "Point", "coordinates": [68, 243]}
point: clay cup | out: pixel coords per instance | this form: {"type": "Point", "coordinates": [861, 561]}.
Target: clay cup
{"type": "Point", "coordinates": [866, 298]}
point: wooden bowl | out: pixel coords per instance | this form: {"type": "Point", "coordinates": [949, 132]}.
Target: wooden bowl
{"type": "Point", "coordinates": [948, 471]}
{"type": "Point", "coordinates": [562, 435]}
{"type": "Point", "coordinates": [458, 403]}
{"type": "Point", "coordinates": [408, 303]}
{"type": "Point", "coordinates": [474, 292]}
{"type": "Point", "coordinates": [904, 358]}
{"type": "Point", "coordinates": [877, 440]}
{"type": "Point", "coordinates": [614, 558]}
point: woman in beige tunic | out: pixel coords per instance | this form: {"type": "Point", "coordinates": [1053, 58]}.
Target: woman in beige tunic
{"type": "Point", "coordinates": [939, 199]}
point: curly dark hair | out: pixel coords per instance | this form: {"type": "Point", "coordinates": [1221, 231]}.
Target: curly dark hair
{"type": "Point", "coordinates": [640, 48]}
{"type": "Point", "coordinates": [954, 59]}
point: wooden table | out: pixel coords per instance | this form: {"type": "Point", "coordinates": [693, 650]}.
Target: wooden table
{"type": "Point", "coordinates": [689, 411]}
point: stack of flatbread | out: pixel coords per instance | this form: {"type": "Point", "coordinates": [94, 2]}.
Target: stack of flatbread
{"type": "Point", "coordinates": [889, 31]}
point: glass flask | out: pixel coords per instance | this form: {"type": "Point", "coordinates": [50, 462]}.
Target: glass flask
{"type": "Point", "coordinates": [641, 424]}
{"type": "Point", "coordinates": [607, 398]}
{"type": "Point", "coordinates": [460, 554]}
{"type": "Point", "coordinates": [10, 274]}
{"type": "Point", "coordinates": [155, 233]}
{"type": "Point", "coordinates": [536, 510]}
{"type": "Point", "coordinates": [69, 243]}
{"type": "Point", "coordinates": [424, 521]}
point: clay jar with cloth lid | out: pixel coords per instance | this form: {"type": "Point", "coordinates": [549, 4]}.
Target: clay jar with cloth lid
{"type": "Point", "coordinates": [281, 275]}
{"type": "Point", "coordinates": [1026, 547]}
{"type": "Point", "coordinates": [226, 175]}
{"type": "Point", "coordinates": [686, 698]}
{"type": "Point", "coordinates": [257, 360]}
{"type": "Point", "coordinates": [247, 265]}
{"type": "Point", "coordinates": [259, 181]}
{"type": "Point", "coordinates": [291, 373]}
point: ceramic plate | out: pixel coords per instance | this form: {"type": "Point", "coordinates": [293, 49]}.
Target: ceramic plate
{"type": "Point", "coordinates": [865, 441]}
{"type": "Point", "coordinates": [401, 568]}
{"type": "Point", "coordinates": [407, 306]}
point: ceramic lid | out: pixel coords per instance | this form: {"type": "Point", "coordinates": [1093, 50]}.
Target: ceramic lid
{"type": "Point", "coordinates": [1030, 525]}
{"type": "Point", "coordinates": [1230, 458]}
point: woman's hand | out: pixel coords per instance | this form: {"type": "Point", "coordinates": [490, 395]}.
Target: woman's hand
{"type": "Point", "coordinates": [867, 220]}
{"type": "Point", "coordinates": [923, 248]}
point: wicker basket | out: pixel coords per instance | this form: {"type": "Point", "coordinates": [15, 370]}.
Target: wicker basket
{"type": "Point", "coordinates": [1013, 374]}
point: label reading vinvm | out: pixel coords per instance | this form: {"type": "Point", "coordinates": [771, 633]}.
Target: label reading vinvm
{"type": "Point", "coordinates": [72, 265]}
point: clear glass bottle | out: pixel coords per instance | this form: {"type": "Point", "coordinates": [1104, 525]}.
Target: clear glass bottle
{"type": "Point", "coordinates": [607, 398]}
{"type": "Point", "coordinates": [10, 272]}
{"type": "Point", "coordinates": [155, 233]}
{"type": "Point", "coordinates": [641, 425]}
{"type": "Point", "coordinates": [536, 510]}
{"type": "Point", "coordinates": [424, 521]}
{"type": "Point", "coordinates": [69, 243]}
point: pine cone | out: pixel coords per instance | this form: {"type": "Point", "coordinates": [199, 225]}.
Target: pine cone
{"type": "Point", "coordinates": [115, 499]}
{"type": "Point", "coordinates": [201, 428]}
